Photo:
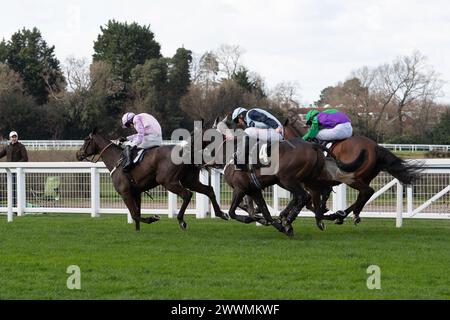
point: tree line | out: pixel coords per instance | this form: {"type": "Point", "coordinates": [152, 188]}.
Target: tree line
{"type": "Point", "coordinates": [42, 98]}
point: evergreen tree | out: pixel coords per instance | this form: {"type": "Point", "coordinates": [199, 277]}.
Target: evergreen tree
{"type": "Point", "coordinates": [28, 54]}
{"type": "Point", "coordinates": [124, 46]}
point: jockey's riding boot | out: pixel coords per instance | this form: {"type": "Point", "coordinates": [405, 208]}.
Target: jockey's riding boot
{"type": "Point", "coordinates": [126, 163]}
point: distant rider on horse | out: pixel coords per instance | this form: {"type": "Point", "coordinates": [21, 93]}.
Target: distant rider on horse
{"type": "Point", "coordinates": [328, 125]}
{"type": "Point", "coordinates": [149, 134]}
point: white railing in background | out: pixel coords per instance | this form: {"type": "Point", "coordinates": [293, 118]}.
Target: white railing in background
{"type": "Point", "coordinates": [83, 187]}
{"type": "Point", "coordinates": [71, 144]}
{"type": "Point", "coordinates": [416, 147]}
{"type": "Point", "coordinates": [60, 144]}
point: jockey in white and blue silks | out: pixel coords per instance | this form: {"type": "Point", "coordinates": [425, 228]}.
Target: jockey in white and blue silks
{"type": "Point", "coordinates": [261, 124]}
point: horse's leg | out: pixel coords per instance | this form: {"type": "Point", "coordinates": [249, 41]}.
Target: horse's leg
{"type": "Point", "coordinates": [259, 199]}
{"type": "Point", "coordinates": [365, 192]}
{"type": "Point", "coordinates": [305, 199]}
{"type": "Point", "coordinates": [318, 203]}
{"type": "Point", "coordinates": [238, 195]}
{"type": "Point", "coordinates": [186, 195]}
{"type": "Point", "coordinates": [130, 200]}
{"type": "Point", "coordinates": [283, 216]}
{"type": "Point", "coordinates": [285, 212]}
{"type": "Point", "coordinates": [147, 220]}
{"type": "Point", "coordinates": [197, 186]}
{"type": "Point", "coordinates": [248, 206]}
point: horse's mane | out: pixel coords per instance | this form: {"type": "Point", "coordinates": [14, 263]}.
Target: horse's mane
{"type": "Point", "coordinates": [297, 126]}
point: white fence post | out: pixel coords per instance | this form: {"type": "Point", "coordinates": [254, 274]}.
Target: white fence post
{"type": "Point", "coordinates": [409, 200]}
{"type": "Point", "coordinates": [172, 199]}
{"type": "Point", "coordinates": [20, 196]}
{"type": "Point", "coordinates": [201, 200]}
{"type": "Point", "coordinates": [215, 183]}
{"type": "Point", "coordinates": [9, 193]}
{"type": "Point", "coordinates": [276, 199]}
{"type": "Point", "coordinates": [340, 197]}
{"type": "Point", "coordinates": [95, 192]}
{"type": "Point", "coordinates": [399, 219]}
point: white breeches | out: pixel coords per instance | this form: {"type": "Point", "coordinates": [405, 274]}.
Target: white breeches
{"type": "Point", "coordinates": [263, 134]}
{"type": "Point", "coordinates": [148, 142]}
{"type": "Point", "coordinates": [340, 132]}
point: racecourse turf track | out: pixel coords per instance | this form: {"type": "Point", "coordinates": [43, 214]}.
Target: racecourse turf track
{"type": "Point", "coordinates": [217, 259]}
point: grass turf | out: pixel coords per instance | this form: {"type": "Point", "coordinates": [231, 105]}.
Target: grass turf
{"type": "Point", "coordinates": [216, 259]}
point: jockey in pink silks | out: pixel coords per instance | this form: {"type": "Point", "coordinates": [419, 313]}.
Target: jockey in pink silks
{"type": "Point", "coordinates": [149, 134]}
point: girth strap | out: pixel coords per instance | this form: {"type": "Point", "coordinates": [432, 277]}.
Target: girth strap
{"type": "Point", "coordinates": [255, 180]}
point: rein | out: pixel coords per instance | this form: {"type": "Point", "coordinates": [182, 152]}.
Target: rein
{"type": "Point", "coordinates": [100, 154]}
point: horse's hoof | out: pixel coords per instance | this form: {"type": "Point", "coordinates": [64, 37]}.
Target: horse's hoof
{"type": "Point", "coordinates": [321, 225]}
{"type": "Point", "coordinates": [278, 226]}
{"type": "Point", "coordinates": [289, 231]}
{"type": "Point", "coordinates": [225, 216]}
{"type": "Point", "coordinates": [340, 214]}
{"type": "Point", "coordinates": [183, 225]}
{"type": "Point", "coordinates": [356, 220]}
{"type": "Point", "coordinates": [263, 222]}
{"type": "Point", "coordinates": [156, 217]}
{"type": "Point", "coordinates": [339, 221]}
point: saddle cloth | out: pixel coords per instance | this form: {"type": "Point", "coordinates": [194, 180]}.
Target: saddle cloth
{"type": "Point", "coordinates": [139, 154]}
{"type": "Point", "coordinates": [256, 155]}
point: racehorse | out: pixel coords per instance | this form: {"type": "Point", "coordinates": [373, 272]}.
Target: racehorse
{"type": "Point", "coordinates": [155, 169]}
{"type": "Point", "coordinates": [378, 159]}
{"type": "Point", "coordinates": [300, 164]}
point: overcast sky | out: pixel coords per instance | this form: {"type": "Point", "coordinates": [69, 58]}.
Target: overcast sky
{"type": "Point", "coordinates": [316, 43]}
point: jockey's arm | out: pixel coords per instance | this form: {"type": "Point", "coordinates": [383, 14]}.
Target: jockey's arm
{"type": "Point", "coordinates": [136, 139]}
{"type": "Point", "coordinates": [260, 117]}
{"type": "Point", "coordinates": [313, 131]}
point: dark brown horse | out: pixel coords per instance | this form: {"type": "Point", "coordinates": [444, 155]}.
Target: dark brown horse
{"type": "Point", "coordinates": [378, 159]}
{"type": "Point", "coordinates": [300, 164]}
{"type": "Point", "coordinates": [155, 169]}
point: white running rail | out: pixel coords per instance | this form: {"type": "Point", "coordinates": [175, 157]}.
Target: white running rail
{"type": "Point", "coordinates": [82, 187]}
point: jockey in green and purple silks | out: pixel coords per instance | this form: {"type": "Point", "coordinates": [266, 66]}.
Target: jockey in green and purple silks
{"type": "Point", "coordinates": [328, 125]}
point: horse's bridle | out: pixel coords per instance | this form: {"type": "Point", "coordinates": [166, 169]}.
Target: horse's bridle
{"type": "Point", "coordinates": [93, 156]}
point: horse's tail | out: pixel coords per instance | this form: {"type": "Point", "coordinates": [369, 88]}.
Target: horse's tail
{"type": "Point", "coordinates": [347, 167]}
{"type": "Point", "coordinates": [405, 171]}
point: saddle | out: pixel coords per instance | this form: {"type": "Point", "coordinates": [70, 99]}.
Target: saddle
{"type": "Point", "coordinates": [330, 145]}
{"type": "Point", "coordinates": [138, 154]}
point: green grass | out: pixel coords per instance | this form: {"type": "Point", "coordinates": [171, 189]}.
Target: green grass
{"type": "Point", "coordinates": [217, 259]}
{"type": "Point", "coordinates": [411, 154]}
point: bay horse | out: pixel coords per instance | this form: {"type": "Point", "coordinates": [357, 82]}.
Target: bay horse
{"type": "Point", "coordinates": [301, 164]}
{"type": "Point", "coordinates": [155, 169]}
{"type": "Point", "coordinates": [378, 159]}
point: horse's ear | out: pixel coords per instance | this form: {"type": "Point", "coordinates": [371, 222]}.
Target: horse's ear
{"type": "Point", "coordinates": [216, 122]}
{"type": "Point", "coordinates": [94, 131]}
{"type": "Point", "coordinates": [286, 122]}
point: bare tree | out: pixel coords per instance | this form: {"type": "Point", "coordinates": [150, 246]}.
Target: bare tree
{"type": "Point", "coordinates": [77, 73]}
{"type": "Point", "coordinates": [400, 85]}
{"type": "Point", "coordinates": [407, 80]}
{"type": "Point", "coordinates": [229, 58]}
{"type": "Point", "coordinates": [286, 95]}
